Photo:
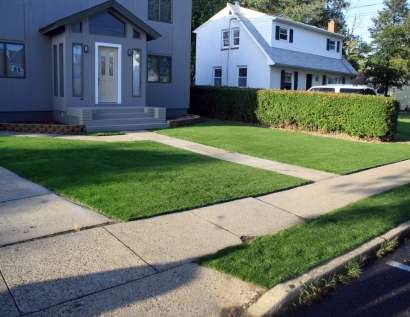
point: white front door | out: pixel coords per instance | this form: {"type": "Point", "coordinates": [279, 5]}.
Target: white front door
{"type": "Point", "coordinates": [108, 74]}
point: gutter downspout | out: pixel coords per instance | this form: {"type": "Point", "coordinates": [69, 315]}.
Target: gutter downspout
{"type": "Point", "coordinates": [229, 51]}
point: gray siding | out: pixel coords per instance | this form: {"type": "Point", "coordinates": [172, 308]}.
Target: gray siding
{"type": "Point", "coordinates": [174, 96]}
{"type": "Point", "coordinates": [20, 21]}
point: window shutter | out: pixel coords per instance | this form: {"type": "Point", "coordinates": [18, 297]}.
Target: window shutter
{"type": "Point", "coordinates": [282, 79]}
{"type": "Point", "coordinates": [338, 46]}
{"type": "Point", "coordinates": [295, 84]}
{"type": "Point", "coordinates": [343, 80]}
{"type": "Point", "coordinates": [277, 33]}
{"type": "Point", "coordinates": [291, 36]}
{"type": "Point", "coordinates": [324, 80]}
{"type": "Point", "coordinates": [328, 44]}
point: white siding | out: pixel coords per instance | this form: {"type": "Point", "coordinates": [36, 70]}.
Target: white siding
{"type": "Point", "coordinates": [306, 41]}
{"type": "Point", "coordinates": [209, 55]}
{"type": "Point", "coordinates": [264, 26]}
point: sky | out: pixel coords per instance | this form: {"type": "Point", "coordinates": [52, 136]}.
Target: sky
{"type": "Point", "coordinates": [365, 10]}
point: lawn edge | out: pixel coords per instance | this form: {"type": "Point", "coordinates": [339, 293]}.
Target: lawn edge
{"type": "Point", "coordinates": [285, 294]}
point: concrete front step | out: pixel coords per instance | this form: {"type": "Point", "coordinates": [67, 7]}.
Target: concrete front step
{"type": "Point", "coordinates": [116, 115]}
{"type": "Point", "coordinates": [123, 120]}
{"type": "Point", "coordinates": [126, 127]}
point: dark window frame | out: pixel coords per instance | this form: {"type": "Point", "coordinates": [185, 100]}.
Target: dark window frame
{"type": "Point", "coordinates": [82, 70]}
{"type": "Point", "coordinates": [4, 44]}
{"type": "Point", "coordinates": [159, 69]}
{"type": "Point", "coordinates": [159, 12]}
{"type": "Point", "coordinates": [61, 67]}
{"type": "Point", "coordinates": [55, 70]}
{"type": "Point", "coordinates": [80, 23]}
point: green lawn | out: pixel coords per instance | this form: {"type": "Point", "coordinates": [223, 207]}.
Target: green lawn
{"type": "Point", "coordinates": [131, 180]}
{"type": "Point", "coordinates": [269, 260]}
{"type": "Point", "coordinates": [403, 128]}
{"type": "Point", "coordinates": [301, 149]}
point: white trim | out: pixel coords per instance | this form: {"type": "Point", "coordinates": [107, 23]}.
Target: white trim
{"type": "Point", "coordinates": [118, 46]}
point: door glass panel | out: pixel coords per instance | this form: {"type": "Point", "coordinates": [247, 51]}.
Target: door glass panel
{"type": "Point", "coordinates": [111, 61]}
{"type": "Point", "coordinates": [103, 62]}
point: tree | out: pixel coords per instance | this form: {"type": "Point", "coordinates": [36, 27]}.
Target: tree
{"type": "Point", "coordinates": [389, 63]}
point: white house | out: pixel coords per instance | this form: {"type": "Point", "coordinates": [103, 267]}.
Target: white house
{"type": "Point", "coordinates": [245, 48]}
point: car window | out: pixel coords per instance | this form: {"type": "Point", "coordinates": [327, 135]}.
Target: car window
{"type": "Point", "coordinates": [314, 89]}
{"type": "Point", "coordinates": [327, 89]}
{"type": "Point", "coordinates": [369, 91]}
{"type": "Point", "coordinates": [352, 91]}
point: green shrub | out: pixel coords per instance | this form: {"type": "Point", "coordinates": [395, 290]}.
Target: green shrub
{"type": "Point", "coordinates": [357, 115]}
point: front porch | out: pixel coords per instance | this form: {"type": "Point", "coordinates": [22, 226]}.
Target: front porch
{"type": "Point", "coordinates": [119, 118]}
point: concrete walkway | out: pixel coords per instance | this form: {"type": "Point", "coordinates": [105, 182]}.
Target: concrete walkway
{"type": "Point", "coordinates": [61, 259]}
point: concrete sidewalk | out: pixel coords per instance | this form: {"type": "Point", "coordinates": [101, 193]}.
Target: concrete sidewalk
{"type": "Point", "coordinates": [61, 259]}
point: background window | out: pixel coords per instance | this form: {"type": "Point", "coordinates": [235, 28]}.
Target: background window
{"type": "Point", "coordinates": [283, 34]}
{"type": "Point", "coordinates": [225, 38]}
{"type": "Point", "coordinates": [78, 70]}
{"type": "Point", "coordinates": [243, 77]}
{"type": "Point", "coordinates": [160, 10]}
{"type": "Point", "coordinates": [136, 73]}
{"type": "Point", "coordinates": [288, 81]}
{"type": "Point", "coordinates": [77, 27]}
{"type": "Point", "coordinates": [217, 76]}
{"type": "Point", "coordinates": [235, 36]}
{"type": "Point", "coordinates": [331, 45]}
{"type": "Point", "coordinates": [107, 24]}
{"type": "Point", "coordinates": [12, 60]}
{"type": "Point", "coordinates": [55, 70]}
{"type": "Point", "coordinates": [159, 69]}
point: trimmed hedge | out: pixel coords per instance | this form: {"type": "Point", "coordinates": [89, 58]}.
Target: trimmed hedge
{"type": "Point", "coordinates": [357, 115]}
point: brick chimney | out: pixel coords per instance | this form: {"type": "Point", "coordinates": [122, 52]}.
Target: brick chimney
{"type": "Point", "coordinates": [331, 26]}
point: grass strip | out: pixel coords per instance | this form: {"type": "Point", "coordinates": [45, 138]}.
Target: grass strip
{"type": "Point", "coordinates": [131, 180]}
{"type": "Point", "coordinates": [296, 148]}
{"type": "Point", "coordinates": [270, 260]}
{"type": "Point", "coordinates": [403, 128]}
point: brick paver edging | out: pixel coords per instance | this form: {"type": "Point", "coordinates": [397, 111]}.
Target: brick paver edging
{"type": "Point", "coordinates": [189, 119]}
{"type": "Point", "coordinates": [43, 128]}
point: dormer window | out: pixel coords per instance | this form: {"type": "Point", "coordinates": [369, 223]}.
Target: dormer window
{"type": "Point", "coordinates": [283, 34]}
{"type": "Point", "coordinates": [333, 45]}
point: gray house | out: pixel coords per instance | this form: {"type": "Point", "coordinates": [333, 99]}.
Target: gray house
{"type": "Point", "coordinates": [111, 65]}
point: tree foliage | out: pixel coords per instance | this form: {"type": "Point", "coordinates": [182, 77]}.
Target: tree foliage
{"type": "Point", "coordinates": [389, 62]}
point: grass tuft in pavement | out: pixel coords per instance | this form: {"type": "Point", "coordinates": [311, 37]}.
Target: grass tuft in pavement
{"type": "Point", "coordinates": [131, 180]}
{"type": "Point", "coordinates": [270, 260]}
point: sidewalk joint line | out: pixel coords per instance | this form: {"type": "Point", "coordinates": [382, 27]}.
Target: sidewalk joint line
{"type": "Point", "coordinates": [11, 294]}
{"type": "Point", "coordinates": [16, 199]}
{"type": "Point", "coordinates": [151, 266]}
{"type": "Point", "coordinates": [300, 217]}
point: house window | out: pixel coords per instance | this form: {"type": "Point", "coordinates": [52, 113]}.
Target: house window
{"type": "Point", "coordinates": [107, 24]}
{"type": "Point", "coordinates": [136, 72]}
{"type": "Point", "coordinates": [333, 45]}
{"type": "Point", "coordinates": [61, 67]}
{"type": "Point", "coordinates": [225, 38]}
{"type": "Point", "coordinates": [217, 76]}
{"type": "Point", "coordinates": [55, 70]}
{"type": "Point", "coordinates": [235, 37]}
{"type": "Point", "coordinates": [12, 60]}
{"type": "Point", "coordinates": [288, 81]}
{"type": "Point", "coordinates": [332, 80]}
{"type": "Point", "coordinates": [159, 69]}
{"type": "Point", "coordinates": [284, 34]}
{"type": "Point", "coordinates": [77, 27]}
{"type": "Point", "coordinates": [242, 76]}
{"type": "Point", "coordinates": [78, 70]}
{"type": "Point", "coordinates": [135, 34]}
{"type": "Point", "coordinates": [160, 10]}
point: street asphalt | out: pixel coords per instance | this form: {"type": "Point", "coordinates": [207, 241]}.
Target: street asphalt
{"type": "Point", "coordinates": [58, 258]}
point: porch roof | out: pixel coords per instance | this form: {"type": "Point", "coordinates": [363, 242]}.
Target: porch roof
{"type": "Point", "coordinates": [110, 4]}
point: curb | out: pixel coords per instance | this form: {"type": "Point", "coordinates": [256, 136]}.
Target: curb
{"type": "Point", "coordinates": [282, 295]}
